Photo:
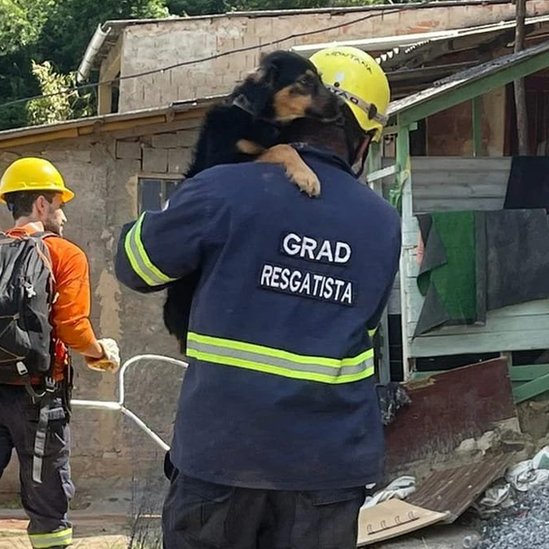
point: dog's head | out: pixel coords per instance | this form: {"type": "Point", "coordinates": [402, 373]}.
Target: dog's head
{"type": "Point", "coordinates": [285, 87]}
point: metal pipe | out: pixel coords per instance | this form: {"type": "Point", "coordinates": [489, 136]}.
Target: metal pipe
{"type": "Point", "coordinates": [91, 51]}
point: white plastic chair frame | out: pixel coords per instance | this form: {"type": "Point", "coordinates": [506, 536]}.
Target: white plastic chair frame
{"type": "Point", "coordinates": [118, 406]}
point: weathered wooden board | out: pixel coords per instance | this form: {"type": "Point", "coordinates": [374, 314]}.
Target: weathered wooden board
{"type": "Point", "coordinates": [449, 184]}
{"type": "Point", "coordinates": [452, 183]}
{"type": "Point", "coordinates": [448, 408]}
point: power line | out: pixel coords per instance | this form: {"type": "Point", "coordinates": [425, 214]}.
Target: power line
{"type": "Point", "coordinates": [212, 57]}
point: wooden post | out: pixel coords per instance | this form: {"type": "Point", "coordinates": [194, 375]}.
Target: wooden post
{"type": "Point", "coordinates": [409, 236]}
{"type": "Point", "coordinates": [520, 91]}
{"type": "Point", "coordinates": [375, 164]}
{"type": "Point", "coordinates": [104, 99]}
{"type": "Point", "coordinates": [477, 125]}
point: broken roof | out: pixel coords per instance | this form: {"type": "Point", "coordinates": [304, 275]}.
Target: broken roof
{"type": "Point", "coordinates": [412, 61]}
{"type": "Point", "coordinates": [443, 94]}
{"type": "Point", "coordinates": [470, 83]}
{"type": "Point", "coordinates": [107, 34]}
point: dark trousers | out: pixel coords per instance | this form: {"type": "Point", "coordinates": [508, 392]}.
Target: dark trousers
{"type": "Point", "coordinates": [45, 503]}
{"type": "Point", "coordinates": [202, 515]}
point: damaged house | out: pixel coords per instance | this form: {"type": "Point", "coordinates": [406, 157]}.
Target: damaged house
{"type": "Point", "coordinates": [449, 148]}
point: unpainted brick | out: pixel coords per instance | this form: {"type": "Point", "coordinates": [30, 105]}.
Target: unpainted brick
{"type": "Point", "coordinates": [179, 160]}
{"type": "Point", "coordinates": [166, 141]}
{"type": "Point", "coordinates": [187, 138]}
{"type": "Point", "coordinates": [128, 150]}
{"type": "Point", "coordinates": [155, 160]}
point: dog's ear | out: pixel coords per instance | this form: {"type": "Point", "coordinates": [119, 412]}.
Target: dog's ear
{"type": "Point", "coordinates": [254, 95]}
{"type": "Point", "coordinates": [270, 73]}
{"type": "Point", "coordinates": [266, 73]}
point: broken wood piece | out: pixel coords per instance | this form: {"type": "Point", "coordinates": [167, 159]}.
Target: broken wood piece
{"type": "Point", "coordinates": [448, 408]}
{"type": "Point", "coordinates": [452, 491]}
{"type": "Point", "coordinates": [391, 519]}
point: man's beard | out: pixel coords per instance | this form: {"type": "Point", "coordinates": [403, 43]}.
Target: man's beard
{"type": "Point", "coordinates": [53, 227]}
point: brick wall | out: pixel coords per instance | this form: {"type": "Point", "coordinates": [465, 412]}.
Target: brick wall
{"type": "Point", "coordinates": [149, 46]}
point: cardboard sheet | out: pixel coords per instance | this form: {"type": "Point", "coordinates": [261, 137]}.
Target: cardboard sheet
{"type": "Point", "coordinates": [391, 519]}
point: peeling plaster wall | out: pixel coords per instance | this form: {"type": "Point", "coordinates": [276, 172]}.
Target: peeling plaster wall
{"type": "Point", "coordinates": [107, 449]}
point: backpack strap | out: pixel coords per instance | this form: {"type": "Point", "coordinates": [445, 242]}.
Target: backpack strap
{"type": "Point", "coordinates": [5, 239]}
{"type": "Point", "coordinates": [42, 428]}
{"type": "Point", "coordinates": [44, 255]}
{"type": "Point", "coordinates": [44, 395]}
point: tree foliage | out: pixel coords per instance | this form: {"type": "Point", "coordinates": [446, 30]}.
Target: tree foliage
{"type": "Point", "coordinates": [42, 43]}
{"type": "Point", "coordinates": [56, 31]}
{"type": "Point", "coordinates": [60, 101]}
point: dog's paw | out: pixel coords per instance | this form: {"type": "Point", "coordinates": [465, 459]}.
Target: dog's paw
{"type": "Point", "coordinates": [305, 179]}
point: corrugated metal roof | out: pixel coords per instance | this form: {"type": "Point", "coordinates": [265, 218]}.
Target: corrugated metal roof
{"type": "Point", "coordinates": [405, 41]}
{"type": "Point", "coordinates": [467, 76]}
{"type": "Point", "coordinates": [486, 37]}
{"type": "Point", "coordinates": [452, 491]}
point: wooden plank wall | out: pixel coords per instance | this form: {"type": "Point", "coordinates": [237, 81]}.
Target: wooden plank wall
{"type": "Point", "coordinates": [453, 183]}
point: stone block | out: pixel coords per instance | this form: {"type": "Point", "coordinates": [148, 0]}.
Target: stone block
{"type": "Point", "coordinates": [7, 157]}
{"type": "Point", "coordinates": [187, 138]}
{"type": "Point", "coordinates": [178, 160]}
{"type": "Point", "coordinates": [127, 150]}
{"type": "Point", "coordinates": [166, 141]}
{"type": "Point", "coordinates": [155, 160]}
{"type": "Point", "coordinates": [70, 155]}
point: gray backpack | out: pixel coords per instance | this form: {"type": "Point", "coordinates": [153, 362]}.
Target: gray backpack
{"type": "Point", "coordinates": [26, 297]}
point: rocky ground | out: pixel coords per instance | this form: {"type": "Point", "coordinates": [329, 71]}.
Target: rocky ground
{"type": "Point", "coordinates": [525, 525]}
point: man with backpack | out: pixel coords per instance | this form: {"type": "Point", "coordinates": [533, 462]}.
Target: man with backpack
{"type": "Point", "coordinates": [44, 311]}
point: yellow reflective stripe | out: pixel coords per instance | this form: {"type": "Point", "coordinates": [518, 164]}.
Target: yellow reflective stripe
{"type": "Point", "coordinates": [372, 333]}
{"type": "Point", "coordinates": [139, 259]}
{"type": "Point", "coordinates": [269, 351]}
{"type": "Point", "coordinates": [267, 369]}
{"type": "Point", "coordinates": [52, 539]}
{"type": "Point", "coordinates": [241, 354]}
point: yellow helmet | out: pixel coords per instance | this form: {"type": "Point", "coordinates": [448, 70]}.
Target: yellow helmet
{"type": "Point", "coordinates": [33, 174]}
{"type": "Point", "coordinates": [357, 78]}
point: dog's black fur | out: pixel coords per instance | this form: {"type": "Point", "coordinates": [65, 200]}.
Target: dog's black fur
{"type": "Point", "coordinates": [285, 87]}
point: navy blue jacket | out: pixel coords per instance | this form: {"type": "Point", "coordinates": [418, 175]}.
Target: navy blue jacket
{"type": "Point", "coordinates": [280, 390]}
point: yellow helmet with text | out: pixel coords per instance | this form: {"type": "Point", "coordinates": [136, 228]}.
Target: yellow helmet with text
{"type": "Point", "coordinates": [358, 79]}
{"type": "Point", "coordinates": [33, 174]}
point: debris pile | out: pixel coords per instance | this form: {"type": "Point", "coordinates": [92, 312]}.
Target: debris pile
{"type": "Point", "coordinates": [525, 524]}
{"type": "Point", "coordinates": [519, 506]}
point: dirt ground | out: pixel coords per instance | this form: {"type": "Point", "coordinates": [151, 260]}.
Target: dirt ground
{"type": "Point", "coordinates": [111, 532]}
{"type": "Point", "coordinates": [96, 532]}
{"type": "Point", "coordinates": [107, 525]}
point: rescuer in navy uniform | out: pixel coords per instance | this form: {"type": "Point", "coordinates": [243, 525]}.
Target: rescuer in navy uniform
{"type": "Point", "coordinates": [278, 429]}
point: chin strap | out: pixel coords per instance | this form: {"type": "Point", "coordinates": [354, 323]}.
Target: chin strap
{"type": "Point", "coordinates": [364, 155]}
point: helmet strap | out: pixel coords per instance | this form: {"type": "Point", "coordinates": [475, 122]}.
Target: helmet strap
{"type": "Point", "coordinates": [361, 154]}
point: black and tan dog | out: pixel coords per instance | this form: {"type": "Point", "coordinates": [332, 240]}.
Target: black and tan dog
{"type": "Point", "coordinates": [247, 126]}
